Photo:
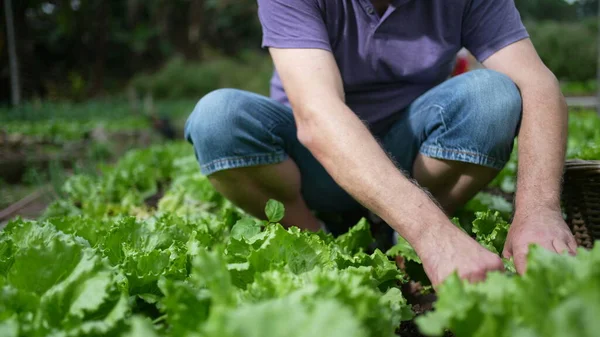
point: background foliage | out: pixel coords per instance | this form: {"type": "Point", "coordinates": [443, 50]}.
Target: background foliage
{"type": "Point", "coordinates": [77, 49]}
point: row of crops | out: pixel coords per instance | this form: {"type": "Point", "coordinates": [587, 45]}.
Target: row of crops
{"type": "Point", "coordinates": [149, 248]}
{"type": "Point", "coordinates": [62, 131]}
{"type": "Point", "coordinates": [40, 142]}
{"type": "Point", "coordinates": [60, 123]}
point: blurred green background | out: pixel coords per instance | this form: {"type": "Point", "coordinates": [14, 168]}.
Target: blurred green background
{"type": "Point", "coordinates": [80, 49]}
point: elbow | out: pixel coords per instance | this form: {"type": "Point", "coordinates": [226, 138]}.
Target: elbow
{"type": "Point", "coordinates": [543, 85]}
{"type": "Point", "coordinates": [555, 90]}
{"type": "Point", "coordinates": [554, 83]}
{"type": "Point", "coordinates": [306, 134]}
{"type": "Point", "coordinates": [314, 128]}
{"type": "Point", "coordinates": [307, 128]}
{"type": "Point", "coordinates": [305, 137]}
{"type": "Point", "coordinates": [551, 81]}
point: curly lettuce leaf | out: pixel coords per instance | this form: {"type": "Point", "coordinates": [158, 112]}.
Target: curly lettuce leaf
{"type": "Point", "coordinates": [557, 296]}
{"type": "Point", "coordinates": [288, 316]}
{"type": "Point", "coordinates": [491, 230]}
{"type": "Point", "coordinates": [57, 284]}
{"type": "Point", "coordinates": [357, 239]}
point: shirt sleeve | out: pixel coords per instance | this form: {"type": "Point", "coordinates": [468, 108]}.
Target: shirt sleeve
{"type": "Point", "coordinates": [293, 24]}
{"type": "Point", "coordinates": [490, 25]}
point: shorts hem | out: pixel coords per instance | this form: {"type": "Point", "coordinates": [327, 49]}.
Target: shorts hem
{"type": "Point", "coordinates": [463, 156]}
{"type": "Point", "coordinates": [242, 161]}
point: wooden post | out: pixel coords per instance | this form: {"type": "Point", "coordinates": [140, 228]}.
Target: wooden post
{"type": "Point", "coordinates": [12, 54]}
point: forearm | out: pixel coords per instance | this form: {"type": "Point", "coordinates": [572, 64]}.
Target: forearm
{"type": "Point", "coordinates": [541, 145]}
{"type": "Point", "coordinates": [348, 151]}
{"type": "Point", "coordinates": [352, 156]}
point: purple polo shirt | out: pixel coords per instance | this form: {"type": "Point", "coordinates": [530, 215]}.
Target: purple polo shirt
{"type": "Point", "coordinates": [388, 61]}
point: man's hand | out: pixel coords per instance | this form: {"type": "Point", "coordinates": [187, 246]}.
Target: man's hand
{"type": "Point", "coordinates": [449, 250]}
{"type": "Point", "coordinates": [545, 228]}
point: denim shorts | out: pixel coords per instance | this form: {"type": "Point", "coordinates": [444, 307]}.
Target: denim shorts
{"type": "Point", "coordinates": [470, 118]}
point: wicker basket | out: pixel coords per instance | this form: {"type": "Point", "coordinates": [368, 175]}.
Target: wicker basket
{"type": "Point", "coordinates": [581, 200]}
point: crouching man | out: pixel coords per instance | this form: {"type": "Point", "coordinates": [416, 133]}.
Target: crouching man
{"type": "Point", "coordinates": [361, 114]}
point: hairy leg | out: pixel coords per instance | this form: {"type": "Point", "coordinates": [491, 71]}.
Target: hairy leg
{"type": "Point", "coordinates": [251, 187]}
{"type": "Point", "coordinates": [452, 183]}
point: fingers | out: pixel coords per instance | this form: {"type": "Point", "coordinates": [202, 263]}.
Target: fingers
{"type": "Point", "coordinates": [572, 247]}
{"type": "Point", "coordinates": [475, 278]}
{"type": "Point", "coordinates": [499, 265]}
{"type": "Point", "coordinates": [481, 275]}
{"type": "Point", "coordinates": [520, 255]}
{"type": "Point", "coordinates": [560, 246]}
{"type": "Point", "coordinates": [520, 259]}
{"type": "Point", "coordinates": [507, 252]}
{"type": "Point", "coordinates": [572, 244]}
{"type": "Point", "coordinates": [557, 245]}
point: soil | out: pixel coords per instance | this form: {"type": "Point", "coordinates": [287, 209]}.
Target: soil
{"type": "Point", "coordinates": [152, 201]}
{"type": "Point", "coordinates": [421, 300]}
{"type": "Point", "coordinates": [421, 303]}
{"type": "Point", "coordinates": [33, 210]}
{"type": "Point", "coordinates": [18, 155]}
{"type": "Point", "coordinates": [30, 206]}
{"type": "Point", "coordinates": [13, 193]}
{"type": "Point", "coordinates": [14, 162]}
{"type": "Point", "coordinates": [410, 329]}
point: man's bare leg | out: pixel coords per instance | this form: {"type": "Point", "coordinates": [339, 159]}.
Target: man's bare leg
{"type": "Point", "coordinates": [452, 183]}
{"type": "Point", "coordinates": [251, 187]}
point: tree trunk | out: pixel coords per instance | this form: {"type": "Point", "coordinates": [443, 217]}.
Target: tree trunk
{"type": "Point", "coordinates": [101, 32]}
{"type": "Point", "coordinates": [193, 49]}
{"type": "Point", "coordinates": [133, 9]}
{"type": "Point", "coordinates": [12, 54]}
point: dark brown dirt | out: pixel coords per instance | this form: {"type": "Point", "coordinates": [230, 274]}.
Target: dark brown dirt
{"type": "Point", "coordinates": [410, 329]}
{"type": "Point", "coordinates": [152, 201]}
{"type": "Point", "coordinates": [421, 301]}
{"type": "Point", "coordinates": [29, 207]}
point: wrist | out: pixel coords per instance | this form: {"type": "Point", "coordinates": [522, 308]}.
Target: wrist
{"type": "Point", "coordinates": [541, 201]}
{"type": "Point", "coordinates": [434, 232]}
{"type": "Point", "coordinates": [527, 209]}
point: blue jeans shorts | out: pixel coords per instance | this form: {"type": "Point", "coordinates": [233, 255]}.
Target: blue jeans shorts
{"type": "Point", "coordinates": [471, 118]}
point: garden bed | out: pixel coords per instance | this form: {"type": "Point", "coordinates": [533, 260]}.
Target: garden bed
{"type": "Point", "coordinates": [177, 259]}
{"type": "Point", "coordinates": [31, 206]}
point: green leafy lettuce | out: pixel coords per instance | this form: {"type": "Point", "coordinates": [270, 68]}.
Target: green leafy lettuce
{"type": "Point", "coordinates": [559, 295]}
